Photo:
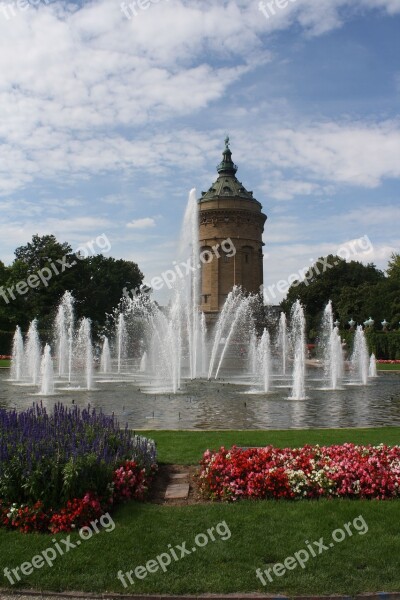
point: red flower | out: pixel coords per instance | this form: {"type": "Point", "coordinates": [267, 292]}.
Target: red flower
{"type": "Point", "coordinates": [308, 472]}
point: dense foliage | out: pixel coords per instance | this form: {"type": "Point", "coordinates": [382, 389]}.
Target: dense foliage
{"type": "Point", "coordinates": [96, 282]}
{"type": "Point", "coordinates": [357, 292]}
{"type": "Point", "coordinates": [310, 472]}
{"type": "Point", "coordinates": [52, 463]}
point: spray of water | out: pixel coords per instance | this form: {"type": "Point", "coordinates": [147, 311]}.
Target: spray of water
{"type": "Point", "coordinates": [105, 358]}
{"type": "Point", "coordinates": [85, 351]}
{"type": "Point", "coordinates": [360, 357]}
{"type": "Point", "coordinates": [283, 342]}
{"type": "Point", "coordinates": [332, 353]}
{"type": "Point", "coordinates": [121, 340]}
{"type": "Point", "coordinates": [372, 367]}
{"type": "Point", "coordinates": [17, 358]}
{"type": "Point", "coordinates": [47, 373]}
{"type": "Point", "coordinates": [64, 335]}
{"type": "Point", "coordinates": [33, 353]}
{"type": "Point", "coordinates": [264, 360]}
{"type": "Point", "coordinates": [298, 340]}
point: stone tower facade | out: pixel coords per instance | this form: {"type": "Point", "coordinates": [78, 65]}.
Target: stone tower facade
{"type": "Point", "coordinates": [231, 224]}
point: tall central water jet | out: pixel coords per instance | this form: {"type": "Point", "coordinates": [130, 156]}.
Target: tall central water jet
{"type": "Point", "coordinates": [189, 243]}
{"type": "Point", "coordinates": [298, 339]}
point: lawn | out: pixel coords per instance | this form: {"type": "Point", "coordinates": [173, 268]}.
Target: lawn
{"type": "Point", "coordinates": [263, 533]}
{"type": "Point", "coordinates": [387, 367]}
{"type": "Point", "coordinates": [186, 447]}
{"type": "Point", "coordinates": [4, 363]}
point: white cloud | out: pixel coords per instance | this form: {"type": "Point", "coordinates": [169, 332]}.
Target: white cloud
{"type": "Point", "coordinates": [145, 223]}
{"type": "Point", "coordinates": [71, 79]}
{"type": "Point", "coordinates": [375, 216]}
{"type": "Point", "coordinates": [330, 154]}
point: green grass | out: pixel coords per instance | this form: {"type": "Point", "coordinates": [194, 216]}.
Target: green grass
{"type": "Point", "coordinates": [387, 367]}
{"type": "Point", "coordinates": [186, 447]}
{"type": "Point", "coordinates": [5, 363]}
{"type": "Point", "coordinates": [262, 534]}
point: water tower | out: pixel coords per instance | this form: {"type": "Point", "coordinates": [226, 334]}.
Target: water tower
{"type": "Point", "coordinates": [227, 211]}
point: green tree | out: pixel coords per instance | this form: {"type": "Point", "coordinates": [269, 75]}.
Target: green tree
{"type": "Point", "coordinates": [96, 282]}
{"type": "Point", "coordinates": [38, 253]}
{"type": "Point", "coordinates": [326, 280]}
{"type": "Point", "coordinates": [393, 269]}
{"type": "Point", "coordinates": [42, 271]}
{"type": "Point", "coordinates": [102, 284]}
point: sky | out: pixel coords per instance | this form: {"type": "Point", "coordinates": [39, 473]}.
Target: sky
{"type": "Point", "coordinates": [110, 114]}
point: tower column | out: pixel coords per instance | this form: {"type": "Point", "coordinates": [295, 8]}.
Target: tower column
{"type": "Point", "coordinates": [232, 219]}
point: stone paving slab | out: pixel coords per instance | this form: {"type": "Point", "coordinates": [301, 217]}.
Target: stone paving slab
{"type": "Point", "coordinates": [177, 491]}
{"type": "Point", "coordinates": [179, 476]}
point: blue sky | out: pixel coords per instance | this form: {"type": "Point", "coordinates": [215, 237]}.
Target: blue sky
{"type": "Point", "coordinates": [108, 122]}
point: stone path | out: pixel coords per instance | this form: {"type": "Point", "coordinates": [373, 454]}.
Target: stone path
{"type": "Point", "coordinates": [178, 485]}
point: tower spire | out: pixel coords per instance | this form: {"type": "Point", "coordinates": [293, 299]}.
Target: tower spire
{"type": "Point", "coordinates": [227, 166]}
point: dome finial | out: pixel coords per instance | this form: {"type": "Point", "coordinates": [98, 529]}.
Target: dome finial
{"type": "Point", "coordinates": [227, 167]}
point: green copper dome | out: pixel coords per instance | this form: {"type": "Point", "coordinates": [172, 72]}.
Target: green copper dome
{"type": "Point", "coordinates": [227, 185]}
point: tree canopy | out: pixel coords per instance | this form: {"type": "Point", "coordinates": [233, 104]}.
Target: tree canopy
{"type": "Point", "coordinates": [44, 269]}
{"type": "Point", "coordinates": [357, 292]}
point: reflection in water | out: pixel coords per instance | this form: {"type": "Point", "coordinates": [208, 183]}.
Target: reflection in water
{"type": "Point", "coordinates": [225, 405]}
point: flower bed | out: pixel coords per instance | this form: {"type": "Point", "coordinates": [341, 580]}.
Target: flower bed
{"type": "Point", "coordinates": [309, 472]}
{"type": "Point", "coordinates": [388, 362]}
{"type": "Point", "coordinates": [4, 357]}
{"type": "Point", "coordinates": [60, 471]}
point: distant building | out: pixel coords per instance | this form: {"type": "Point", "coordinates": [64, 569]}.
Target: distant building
{"type": "Point", "coordinates": [227, 211]}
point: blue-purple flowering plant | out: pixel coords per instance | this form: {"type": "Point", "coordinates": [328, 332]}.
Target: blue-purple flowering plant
{"type": "Point", "coordinates": [56, 457]}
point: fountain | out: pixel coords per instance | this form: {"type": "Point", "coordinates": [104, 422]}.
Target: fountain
{"type": "Point", "coordinates": [143, 363]}
{"type": "Point", "coordinates": [360, 358]}
{"type": "Point", "coordinates": [298, 341]}
{"type": "Point", "coordinates": [235, 317]}
{"type": "Point", "coordinates": [17, 358]}
{"type": "Point", "coordinates": [105, 359]}
{"type": "Point", "coordinates": [84, 351]}
{"type": "Point", "coordinates": [121, 336]}
{"type": "Point", "coordinates": [32, 353]}
{"type": "Point", "coordinates": [332, 352]}
{"type": "Point", "coordinates": [253, 356]}
{"type": "Point", "coordinates": [64, 334]}
{"type": "Point", "coordinates": [264, 360]}
{"type": "Point", "coordinates": [372, 367]}
{"type": "Point", "coordinates": [47, 373]}
{"type": "Point", "coordinates": [203, 342]}
{"type": "Point", "coordinates": [168, 350]}
{"type": "Point", "coordinates": [191, 287]}
{"type": "Point", "coordinates": [282, 342]}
